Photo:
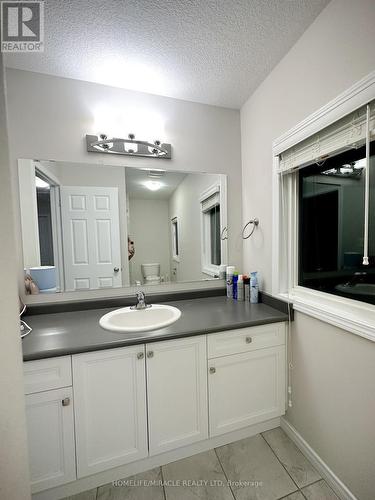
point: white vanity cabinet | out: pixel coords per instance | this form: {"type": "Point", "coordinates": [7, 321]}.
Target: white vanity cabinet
{"type": "Point", "coordinates": [246, 381]}
{"type": "Point", "coordinates": [176, 393]}
{"type": "Point", "coordinates": [135, 403]}
{"type": "Point", "coordinates": [50, 422]}
{"type": "Point", "coordinates": [110, 409]}
{"type": "Point", "coordinates": [110, 393]}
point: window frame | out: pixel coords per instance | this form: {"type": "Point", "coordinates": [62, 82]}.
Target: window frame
{"type": "Point", "coordinates": [351, 315]}
{"type": "Point", "coordinates": [206, 266]}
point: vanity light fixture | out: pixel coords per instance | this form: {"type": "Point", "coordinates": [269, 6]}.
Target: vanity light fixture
{"type": "Point", "coordinates": [129, 147]}
{"type": "Point", "coordinates": [352, 170]}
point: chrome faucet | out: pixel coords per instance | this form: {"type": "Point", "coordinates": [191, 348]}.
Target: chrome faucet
{"type": "Point", "coordinates": [141, 301]}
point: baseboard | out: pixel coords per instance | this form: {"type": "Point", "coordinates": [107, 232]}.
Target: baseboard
{"type": "Point", "coordinates": [124, 471]}
{"type": "Point", "coordinates": [330, 477]}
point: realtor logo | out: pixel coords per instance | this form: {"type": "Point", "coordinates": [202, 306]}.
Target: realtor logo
{"type": "Point", "coordinates": [22, 26]}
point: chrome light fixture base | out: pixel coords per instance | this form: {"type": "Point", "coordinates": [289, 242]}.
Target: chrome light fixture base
{"type": "Point", "coordinates": [128, 147]}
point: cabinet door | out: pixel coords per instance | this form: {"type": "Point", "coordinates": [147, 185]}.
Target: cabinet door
{"type": "Point", "coordinates": [245, 389]}
{"type": "Point", "coordinates": [177, 393]}
{"type": "Point", "coordinates": [50, 431]}
{"type": "Point", "coordinates": [110, 414]}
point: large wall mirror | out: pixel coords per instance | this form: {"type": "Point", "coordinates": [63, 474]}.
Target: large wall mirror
{"type": "Point", "coordinates": [89, 227]}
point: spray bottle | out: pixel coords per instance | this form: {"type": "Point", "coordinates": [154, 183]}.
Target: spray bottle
{"type": "Point", "coordinates": [230, 271]}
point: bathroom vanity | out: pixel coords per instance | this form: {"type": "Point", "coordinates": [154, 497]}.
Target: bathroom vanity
{"type": "Point", "coordinates": [106, 404]}
{"type": "Point", "coordinates": [103, 404]}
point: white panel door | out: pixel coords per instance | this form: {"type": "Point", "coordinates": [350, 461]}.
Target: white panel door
{"type": "Point", "coordinates": [91, 237]}
{"type": "Point", "coordinates": [176, 393]}
{"type": "Point", "coordinates": [245, 389]}
{"type": "Point", "coordinates": [110, 409]}
{"type": "Point", "coordinates": [50, 432]}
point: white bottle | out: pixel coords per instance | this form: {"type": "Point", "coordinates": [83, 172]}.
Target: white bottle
{"type": "Point", "coordinates": [240, 289]}
{"type": "Point", "coordinates": [230, 272]}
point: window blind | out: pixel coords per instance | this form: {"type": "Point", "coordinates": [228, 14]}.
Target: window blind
{"type": "Point", "coordinates": [210, 202]}
{"type": "Point", "coordinates": [347, 133]}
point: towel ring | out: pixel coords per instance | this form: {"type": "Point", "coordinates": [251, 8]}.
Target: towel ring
{"type": "Point", "coordinates": [255, 223]}
{"type": "Point", "coordinates": [222, 237]}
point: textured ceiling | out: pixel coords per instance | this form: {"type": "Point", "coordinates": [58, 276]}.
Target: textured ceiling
{"type": "Point", "coordinates": [211, 51]}
{"type": "Point", "coordinates": [135, 179]}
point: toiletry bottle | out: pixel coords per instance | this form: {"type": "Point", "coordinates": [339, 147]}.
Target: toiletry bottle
{"type": "Point", "coordinates": [222, 272]}
{"type": "Point", "coordinates": [254, 288]}
{"type": "Point", "coordinates": [240, 288]}
{"type": "Point", "coordinates": [235, 280]}
{"type": "Point", "coordinates": [246, 285]}
{"type": "Point", "coordinates": [230, 271]}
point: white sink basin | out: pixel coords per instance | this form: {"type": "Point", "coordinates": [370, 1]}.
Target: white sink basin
{"type": "Point", "coordinates": [127, 319]}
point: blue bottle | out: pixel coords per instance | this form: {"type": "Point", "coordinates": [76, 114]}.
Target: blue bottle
{"type": "Point", "coordinates": [235, 281]}
{"type": "Point", "coordinates": [254, 288]}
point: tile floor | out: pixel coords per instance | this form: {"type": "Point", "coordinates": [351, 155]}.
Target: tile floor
{"type": "Point", "coordinates": [267, 466]}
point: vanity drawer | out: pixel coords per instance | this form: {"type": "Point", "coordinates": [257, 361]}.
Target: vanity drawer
{"type": "Point", "coordinates": [245, 339]}
{"type": "Point", "coordinates": [46, 374]}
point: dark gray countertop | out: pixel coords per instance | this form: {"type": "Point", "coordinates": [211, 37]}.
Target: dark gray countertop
{"type": "Point", "coordinates": [73, 332]}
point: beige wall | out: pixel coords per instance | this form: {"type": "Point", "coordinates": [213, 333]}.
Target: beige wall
{"type": "Point", "coordinates": [53, 124]}
{"type": "Point", "coordinates": [149, 229]}
{"type": "Point", "coordinates": [14, 479]}
{"type": "Point", "coordinates": [334, 373]}
{"type": "Point", "coordinates": [334, 400]}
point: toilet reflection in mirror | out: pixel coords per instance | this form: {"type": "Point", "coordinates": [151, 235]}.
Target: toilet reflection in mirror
{"type": "Point", "coordinates": [87, 227]}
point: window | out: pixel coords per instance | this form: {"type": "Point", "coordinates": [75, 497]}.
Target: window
{"type": "Point", "coordinates": [331, 226]}
{"type": "Point", "coordinates": [324, 212]}
{"type": "Point", "coordinates": [211, 231]}
{"type": "Point", "coordinates": [175, 249]}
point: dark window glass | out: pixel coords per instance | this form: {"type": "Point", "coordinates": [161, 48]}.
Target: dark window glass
{"type": "Point", "coordinates": [331, 226]}
{"type": "Point", "coordinates": [215, 235]}
{"type": "Point", "coordinates": [176, 236]}
{"type": "Point", "coordinates": [45, 227]}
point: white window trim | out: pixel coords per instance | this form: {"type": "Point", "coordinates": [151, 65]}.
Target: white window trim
{"type": "Point", "coordinates": [351, 315]}
{"type": "Point", "coordinates": [220, 188]}
{"type": "Point", "coordinates": [175, 256]}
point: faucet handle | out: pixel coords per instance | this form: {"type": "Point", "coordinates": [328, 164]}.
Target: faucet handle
{"type": "Point", "coordinates": [141, 301]}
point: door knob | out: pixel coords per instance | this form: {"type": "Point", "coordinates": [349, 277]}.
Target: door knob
{"type": "Point", "coordinates": [212, 370]}
{"type": "Point", "coordinates": [150, 354]}
{"type": "Point", "coordinates": [65, 402]}
{"type": "Point", "coordinates": [116, 269]}
{"type": "Point", "coordinates": [248, 340]}
{"type": "Point", "coordinates": [140, 355]}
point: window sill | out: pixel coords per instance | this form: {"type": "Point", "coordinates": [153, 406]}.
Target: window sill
{"type": "Point", "coordinates": [211, 270]}
{"type": "Point", "coordinates": [350, 315]}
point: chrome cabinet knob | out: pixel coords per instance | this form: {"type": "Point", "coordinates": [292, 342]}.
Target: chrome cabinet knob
{"type": "Point", "coordinates": [150, 354]}
{"type": "Point", "coordinates": [248, 340]}
{"type": "Point", "coordinates": [140, 355]}
{"type": "Point", "coordinates": [65, 402]}
{"type": "Point", "coordinates": [212, 370]}
{"type": "Point", "coordinates": [116, 269]}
